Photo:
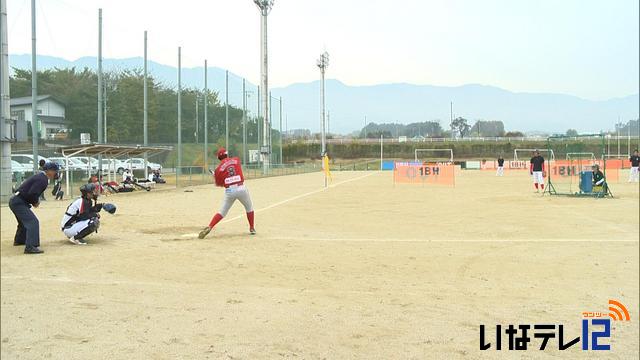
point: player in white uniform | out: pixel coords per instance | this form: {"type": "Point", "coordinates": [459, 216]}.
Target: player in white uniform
{"type": "Point", "coordinates": [635, 164]}
{"type": "Point", "coordinates": [536, 169]}
{"type": "Point", "coordinates": [500, 171]}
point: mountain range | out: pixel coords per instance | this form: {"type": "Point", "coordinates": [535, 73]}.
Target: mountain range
{"type": "Point", "coordinates": [349, 107]}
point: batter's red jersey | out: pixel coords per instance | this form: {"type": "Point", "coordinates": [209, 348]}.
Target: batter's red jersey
{"type": "Point", "coordinates": [229, 172]}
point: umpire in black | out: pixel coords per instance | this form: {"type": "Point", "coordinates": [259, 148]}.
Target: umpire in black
{"type": "Point", "coordinates": [28, 195]}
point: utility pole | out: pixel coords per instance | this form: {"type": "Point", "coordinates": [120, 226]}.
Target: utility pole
{"type": "Point", "coordinates": [195, 133]}
{"type": "Point", "coordinates": [265, 7]}
{"type": "Point", "coordinates": [365, 128]}
{"type": "Point", "coordinates": [206, 126]}
{"type": "Point", "coordinates": [259, 139]}
{"type": "Point", "coordinates": [179, 167]}
{"type": "Point", "coordinates": [145, 109]}
{"type": "Point", "coordinates": [451, 119]}
{"type": "Point", "coordinates": [281, 160]}
{"type": "Point", "coordinates": [618, 130]}
{"type": "Point", "coordinates": [244, 124]}
{"type": "Point", "coordinates": [629, 139]}
{"type": "Point", "coordinates": [104, 104]}
{"type": "Point", "coordinates": [226, 111]}
{"type": "Point", "coordinates": [5, 110]}
{"type": "Point", "coordinates": [269, 129]}
{"type": "Point", "coordinates": [381, 149]}
{"type": "Point", "coordinates": [34, 90]}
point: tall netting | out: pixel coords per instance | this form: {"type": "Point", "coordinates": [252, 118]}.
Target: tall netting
{"type": "Point", "coordinates": [424, 155]}
{"type": "Point", "coordinates": [576, 166]}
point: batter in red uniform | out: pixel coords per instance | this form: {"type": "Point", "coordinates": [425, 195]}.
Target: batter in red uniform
{"type": "Point", "coordinates": [229, 175]}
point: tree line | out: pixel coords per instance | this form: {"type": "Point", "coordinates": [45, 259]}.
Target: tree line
{"type": "Point", "coordinates": [78, 90]}
{"type": "Point", "coordinates": [459, 126]}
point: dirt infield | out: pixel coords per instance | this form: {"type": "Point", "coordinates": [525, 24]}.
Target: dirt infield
{"type": "Point", "coordinates": [360, 270]}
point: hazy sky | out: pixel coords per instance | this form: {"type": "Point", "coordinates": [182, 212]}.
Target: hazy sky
{"type": "Point", "coordinates": [587, 48]}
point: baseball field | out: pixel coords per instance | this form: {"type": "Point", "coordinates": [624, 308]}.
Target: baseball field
{"type": "Point", "coordinates": [362, 269]}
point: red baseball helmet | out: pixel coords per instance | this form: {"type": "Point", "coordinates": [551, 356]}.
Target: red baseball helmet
{"type": "Point", "coordinates": [222, 153]}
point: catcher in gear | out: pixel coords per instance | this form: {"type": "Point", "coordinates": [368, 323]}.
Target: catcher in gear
{"type": "Point", "coordinates": [82, 217]}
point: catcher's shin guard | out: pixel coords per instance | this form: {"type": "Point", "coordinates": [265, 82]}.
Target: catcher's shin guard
{"type": "Point", "coordinates": [93, 226]}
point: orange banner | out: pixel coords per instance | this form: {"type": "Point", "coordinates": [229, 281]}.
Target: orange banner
{"type": "Point", "coordinates": [618, 164]}
{"type": "Point", "coordinates": [569, 170]}
{"type": "Point", "coordinates": [419, 173]}
{"type": "Point", "coordinates": [508, 165]}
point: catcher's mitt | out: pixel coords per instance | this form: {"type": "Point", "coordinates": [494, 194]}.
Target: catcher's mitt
{"type": "Point", "coordinates": [110, 208]}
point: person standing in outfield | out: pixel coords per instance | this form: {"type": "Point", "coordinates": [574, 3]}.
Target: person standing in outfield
{"type": "Point", "coordinates": [536, 169]}
{"type": "Point", "coordinates": [635, 164]}
{"type": "Point", "coordinates": [229, 175]}
{"type": "Point", "coordinates": [28, 195]}
{"type": "Point", "coordinates": [500, 171]}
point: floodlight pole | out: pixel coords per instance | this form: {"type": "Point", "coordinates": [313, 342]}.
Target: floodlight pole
{"type": "Point", "coordinates": [265, 7]}
{"type": "Point", "coordinates": [34, 89]}
{"type": "Point", "coordinates": [323, 63]}
{"type": "Point", "coordinates": [100, 140]}
{"type": "Point", "coordinates": [100, 94]}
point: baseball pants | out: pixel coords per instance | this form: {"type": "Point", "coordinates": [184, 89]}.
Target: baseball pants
{"type": "Point", "coordinates": [231, 194]}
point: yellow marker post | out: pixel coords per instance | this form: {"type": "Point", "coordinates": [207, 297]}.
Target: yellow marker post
{"type": "Point", "coordinates": [327, 171]}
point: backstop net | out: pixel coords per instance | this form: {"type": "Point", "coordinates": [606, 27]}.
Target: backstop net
{"type": "Point", "coordinates": [570, 166]}
{"type": "Point", "coordinates": [433, 156]}
{"type": "Point", "coordinates": [527, 154]}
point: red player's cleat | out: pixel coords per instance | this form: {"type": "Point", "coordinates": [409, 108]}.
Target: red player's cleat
{"type": "Point", "coordinates": [204, 232]}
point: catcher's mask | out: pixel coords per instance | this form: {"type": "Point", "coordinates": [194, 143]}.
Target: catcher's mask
{"type": "Point", "coordinates": [89, 191]}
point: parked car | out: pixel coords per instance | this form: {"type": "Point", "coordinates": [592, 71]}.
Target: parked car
{"type": "Point", "coordinates": [114, 165]}
{"type": "Point", "coordinates": [17, 167]}
{"type": "Point", "coordinates": [138, 164]}
{"type": "Point", "coordinates": [72, 163]}
{"type": "Point", "coordinates": [27, 159]}
{"type": "Point", "coordinates": [86, 164]}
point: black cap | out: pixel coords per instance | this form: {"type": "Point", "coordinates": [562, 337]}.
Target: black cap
{"type": "Point", "coordinates": [51, 166]}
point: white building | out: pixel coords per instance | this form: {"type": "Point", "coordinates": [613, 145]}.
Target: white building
{"type": "Point", "coordinates": [52, 123]}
